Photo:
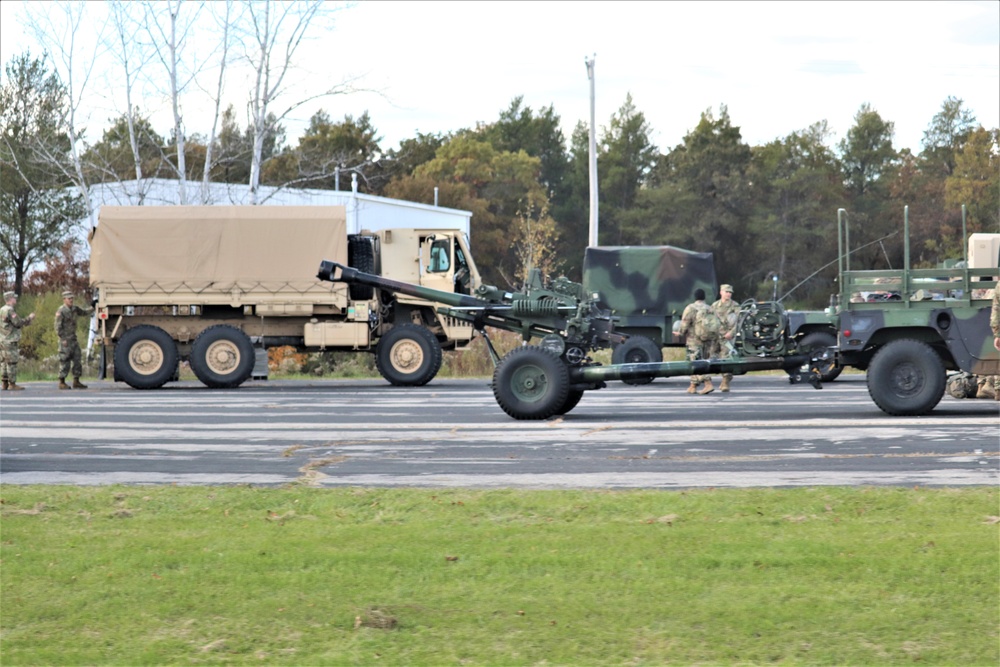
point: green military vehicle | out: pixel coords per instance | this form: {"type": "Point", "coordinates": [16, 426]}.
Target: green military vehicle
{"type": "Point", "coordinates": [646, 289]}
{"type": "Point", "coordinates": [908, 327]}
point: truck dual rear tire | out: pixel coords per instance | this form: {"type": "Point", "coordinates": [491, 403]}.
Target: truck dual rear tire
{"type": "Point", "coordinates": [222, 357]}
{"type": "Point", "coordinates": [906, 377]}
{"type": "Point", "coordinates": [145, 357]}
{"type": "Point", "coordinates": [408, 355]}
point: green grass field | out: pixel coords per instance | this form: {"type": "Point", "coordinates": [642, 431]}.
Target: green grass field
{"type": "Point", "coordinates": [303, 576]}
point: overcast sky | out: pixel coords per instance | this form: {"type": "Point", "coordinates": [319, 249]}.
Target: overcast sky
{"type": "Point", "coordinates": [778, 66]}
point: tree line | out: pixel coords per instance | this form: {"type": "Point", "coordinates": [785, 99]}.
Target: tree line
{"type": "Point", "coordinates": [764, 211]}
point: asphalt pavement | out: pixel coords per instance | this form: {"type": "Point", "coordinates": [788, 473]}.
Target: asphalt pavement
{"type": "Point", "coordinates": [451, 433]}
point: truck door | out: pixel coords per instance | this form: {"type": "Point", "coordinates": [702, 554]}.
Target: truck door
{"type": "Point", "coordinates": [437, 256]}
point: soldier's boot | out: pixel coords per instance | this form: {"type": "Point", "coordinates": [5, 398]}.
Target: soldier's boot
{"type": "Point", "coordinates": [11, 386]}
{"type": "Point", "coordinates": [693, 388]}
{"type": "Point", "coordinates": [724, 387]}
{"type": "Point", "coordinates": [708, 388]}
{"type": "Point", "coordinates": [77, 384]}
{"type": "Point", "coordinates": [5, 383]}
{"type": "Point", "coordinates": [62, 383]}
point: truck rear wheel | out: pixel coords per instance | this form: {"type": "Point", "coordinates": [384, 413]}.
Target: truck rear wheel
{"type": "Point", "coordinates": [145, 357]}
{"type": "Point", "coordinates": [361, 256]}
{"type": "Point", "coordinates": [906, 377]}
{"type": "Point", "coordinates": [820, 340]}
{"type": "Point", "coordinates": [408, 355]}
{"type": "Point", "coordinates": [532, 383]}
{"type": "Point", "coordinates": [222, 357]}
{"type": "Point", "coordinates": [637, 350]}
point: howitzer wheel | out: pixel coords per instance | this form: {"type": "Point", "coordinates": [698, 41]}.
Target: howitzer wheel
{"type": "Point", "coordinates": [906, 377]}
{"type": "Point", "coordinates": [637, 350]}
{"type": "Point", "coordinates": [408, 355]}
{"type": "Point", "coordinates": [572, 399]}
{"type": "Point", "coordinates": [531, 383]}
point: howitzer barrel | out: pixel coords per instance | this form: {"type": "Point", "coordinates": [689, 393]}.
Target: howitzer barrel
{"type": "Point", "coordinates": [338, 273]}
{"type": "Point", "coordinates": [739, 365]}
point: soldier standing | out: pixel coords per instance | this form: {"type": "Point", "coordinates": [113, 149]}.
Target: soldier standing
{"type": "Point", "coordinates": [69, 348]}
{"type": "Point", "coordinates": [10, 341]}
{"type": "Point", "coordinates": [702, 346]}
{"type": "Point", "coordinates": [729, 313]}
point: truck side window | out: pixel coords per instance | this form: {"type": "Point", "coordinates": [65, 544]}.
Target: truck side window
{"type": "Point", "coordinates": [440, 256]}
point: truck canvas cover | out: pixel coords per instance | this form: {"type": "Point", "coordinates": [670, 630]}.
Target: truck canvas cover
{"type": "Point", "coordinates": [216, 249]}
{"type": "Point", "coordinates": [647, 280]}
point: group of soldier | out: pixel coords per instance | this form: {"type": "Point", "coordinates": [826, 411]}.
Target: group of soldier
{"type": "Point", "coordinates": [714, 342]}
{"type": "Point", "coordinates": [70, 357]}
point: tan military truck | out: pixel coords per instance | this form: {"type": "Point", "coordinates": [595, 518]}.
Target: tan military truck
{"type": "Point", "coordinates": [217, 285]}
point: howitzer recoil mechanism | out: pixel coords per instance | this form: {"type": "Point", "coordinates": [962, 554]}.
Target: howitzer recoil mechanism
{"type": "Point", "coordinates": [539, 381]}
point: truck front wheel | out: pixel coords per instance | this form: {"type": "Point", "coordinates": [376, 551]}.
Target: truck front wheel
{"type": "Point", "coordinates": [222, 357]}
{"type": "Point", "coordinates": [408, 355]}
{"type": "Point", "coordinates": [145, 357]}
{"type": "Point", "coordinates": [532, 383]}
{"type": "Point", "coordinates": [906, 377]}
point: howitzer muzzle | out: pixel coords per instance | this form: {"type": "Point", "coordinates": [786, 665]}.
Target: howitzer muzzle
{"type": "Point", "coordinates": [328, 272]}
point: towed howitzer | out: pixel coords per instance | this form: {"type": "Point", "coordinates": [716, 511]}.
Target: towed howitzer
{"type": "Point", "coordinates": [558, 311]}
{"type": "Point", "coordinates": [540, 381]}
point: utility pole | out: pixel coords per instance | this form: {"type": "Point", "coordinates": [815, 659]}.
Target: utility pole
{"type": "Point", "coordinates": [593, 156]}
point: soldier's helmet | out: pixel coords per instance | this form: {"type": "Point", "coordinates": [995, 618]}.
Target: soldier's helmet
{"type": "Point", "coordinates": [67, 295]}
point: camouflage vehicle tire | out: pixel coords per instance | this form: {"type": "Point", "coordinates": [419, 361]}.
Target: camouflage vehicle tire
{"type": "Point", "coordinates": [637, 350]}
{"type": "Point", "coordinates": [906, 377]}
{"type": "Point", "coordinates": [820, 340]}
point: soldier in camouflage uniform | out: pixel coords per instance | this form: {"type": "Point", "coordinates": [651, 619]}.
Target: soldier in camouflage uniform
{"type": "Point", "coordinates": [10, 341]}
{"type": "Point", "coordinates": [729, 313]}
{"type": "Point", "coordinates": [696, 347]}
{"type": "Point", "coordinates": [69, 348]}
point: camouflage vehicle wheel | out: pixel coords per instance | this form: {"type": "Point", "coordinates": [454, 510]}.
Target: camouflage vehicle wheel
{"type": "Point", "coordinates": [819, 341]}
{"type": "Point", "coordinates": [906, 377]}
{"type": "Point", "coordinates": [532, 383]}
{"type": "Point", "coordinates": [637, 350]}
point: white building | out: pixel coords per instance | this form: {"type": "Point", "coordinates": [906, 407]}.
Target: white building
{"type": "Point", "coordinates": [363, 211]}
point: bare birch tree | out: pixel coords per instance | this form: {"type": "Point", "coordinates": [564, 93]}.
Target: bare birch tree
{"type": "Point", "coordinates": [275, 31]}
{"type": "Point", "coordinates": [132, 57]}
{"type": "Point", "coordinates": [169, 34]}
{"type": "Point", "coordinates": [57, 26]}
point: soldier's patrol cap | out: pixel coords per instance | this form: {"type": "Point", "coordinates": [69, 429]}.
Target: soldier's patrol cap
{"type": "Point", "coordinates": [725, 288]}
{"type": "Point", "coordinates": [67, 295]}
{"type": "Point", "coordinates": [9, 295]}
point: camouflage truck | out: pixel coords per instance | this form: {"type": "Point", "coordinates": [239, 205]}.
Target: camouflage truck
{"type": "Point", "coordinates": [938, 323]}
{"type": "Point", "coordinates": [646, 289]}
{"type": "Point", "coordinates": [218, 285]}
